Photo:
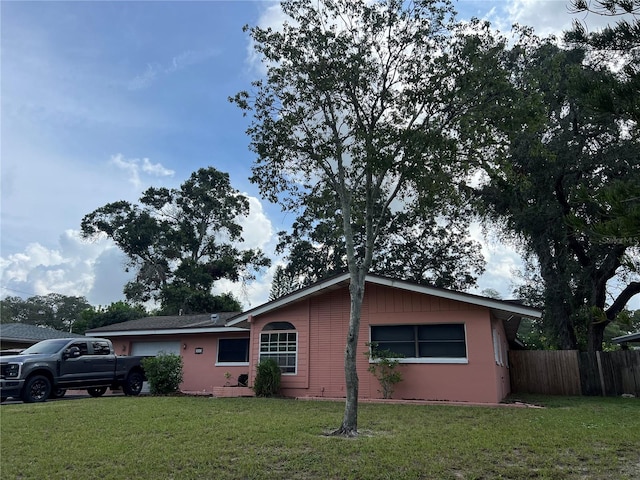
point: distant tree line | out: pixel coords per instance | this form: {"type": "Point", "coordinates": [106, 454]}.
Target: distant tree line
{"type": "Point", "coordinates": [66, 313]}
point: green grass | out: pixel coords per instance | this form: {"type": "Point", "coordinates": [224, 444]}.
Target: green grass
{"type": "Point", "coordinates": [206, 438]}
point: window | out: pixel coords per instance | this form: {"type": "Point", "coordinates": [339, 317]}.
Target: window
{"type": "Point", "coordinates": [432, 343]}
{"type": "Point", "coordinates": [101, 348]}
{"type": "Point", "coordinates": [233, 350]}
{"type": "Point", "coordinates": [84, 350]}
{"type": "Point", "coordinates": [279, 341]}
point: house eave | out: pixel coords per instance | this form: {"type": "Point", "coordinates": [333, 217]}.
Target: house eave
{"type": "Point", "coordinates": [631, 337]}
{"type": "Point", "coordinates": [168, 331]}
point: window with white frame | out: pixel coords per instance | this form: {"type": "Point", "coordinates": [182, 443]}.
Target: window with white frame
{"type": "Point", "coordinates": [445, 342]}
{"type": "Point", "coordinates": [233, 351]}
{"type": "Point", "coordinates": [279, 340]}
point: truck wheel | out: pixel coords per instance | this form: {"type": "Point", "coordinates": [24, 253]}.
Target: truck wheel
{"type": "Point", "coordinates": [96, 391]}
{"type": "Point", "coordinates": [58, 393]}
{"type": "Point", "coordinates": [133, 384]}
{"type": "Point", "coordinates": [36, 389]}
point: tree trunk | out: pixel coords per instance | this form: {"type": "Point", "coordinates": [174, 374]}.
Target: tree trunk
{"type": "Point", "coordinates": [595, 336]}
{"type": "Point", "coordinates": [558, 323]}
{"type": "Point", "coordinates": [349, 425]}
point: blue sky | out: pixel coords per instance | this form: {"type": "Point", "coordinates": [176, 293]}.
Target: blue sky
{"type": "Point", "coordinates": [101, 100]}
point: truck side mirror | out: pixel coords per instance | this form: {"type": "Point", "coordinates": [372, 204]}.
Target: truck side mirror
{"type": "Point", "coordinates": [72, 352]}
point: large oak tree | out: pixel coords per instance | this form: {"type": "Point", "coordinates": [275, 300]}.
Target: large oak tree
{"type": "Point", "coordinates": [567, 187]}
{"type": "Point", "coordinates": [180, 241]}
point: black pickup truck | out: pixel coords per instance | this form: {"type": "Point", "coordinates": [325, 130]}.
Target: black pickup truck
{"type": "Point", "coordinates": [46, 369]}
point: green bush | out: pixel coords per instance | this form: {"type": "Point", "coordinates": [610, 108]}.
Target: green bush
{"type": "Point", "coordinates": [384, 367]}
{"type": "Point", "coordinates": [163, 372]}
{"type": "Point", "coordinates": [267, 383]}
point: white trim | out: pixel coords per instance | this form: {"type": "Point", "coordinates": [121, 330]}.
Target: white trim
{"type": "Point", "coordinates": [459, 360]}
{"type": "Point", "coordinates": [170, 331]}
{"type": "Point", "coordinates": [231, 364]}
{"type": "Point", "coordinates": [631, 337]}
{"type": "Point", "coordinates": [433, 360]}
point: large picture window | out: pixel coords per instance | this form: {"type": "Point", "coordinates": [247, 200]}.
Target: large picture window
{"type": "Point", "coordinates": [434, 342]}
{"type": "Point", "coordinates": [233, 351]}
{"type": "Point", "coordinates": [280, 342]}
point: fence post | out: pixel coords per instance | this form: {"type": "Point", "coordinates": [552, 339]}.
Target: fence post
{"type": "Point", "coordinates": [601, 373]}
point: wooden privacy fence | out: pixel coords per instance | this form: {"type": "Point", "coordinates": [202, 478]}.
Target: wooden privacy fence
{"type": "Point", "coordinates": [569, 372]}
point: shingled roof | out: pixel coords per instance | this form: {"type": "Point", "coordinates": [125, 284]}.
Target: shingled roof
{"type": "Point", "coordinates": [29, 334]}
{"type": "Point", "coordinates": [168, 322]}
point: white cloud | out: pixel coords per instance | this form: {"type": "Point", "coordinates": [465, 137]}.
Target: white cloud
{"type": "Point", "coordinates": [156, 169]}
{"type": "Point", "coordinates": [68, 269]}
{"type": "Point", "coordinates": [132, 166]}
{"type": "Point", "coordinates": [547, 17]}
{"type": "Point", "coordinates": [503, 263]}
{"type": "Point", "coordinates": [257, 231]}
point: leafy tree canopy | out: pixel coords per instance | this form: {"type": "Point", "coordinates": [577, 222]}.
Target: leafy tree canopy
{"type": "Point", "coordinates": [375, 107]}
{"type": "Point", "coordinates": [52, 310]}
{"type": "Point", "coordinates": [180, 241]}
{"type": "Point", "coordinates": [567, 188]}
{"type": "Point", "coordinates": [416, 246]}
{"type": "Point", "coordinates": [117, 312]}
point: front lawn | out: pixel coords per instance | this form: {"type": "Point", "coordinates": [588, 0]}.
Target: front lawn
{"type": "Point", "coordinates": [206, 438]}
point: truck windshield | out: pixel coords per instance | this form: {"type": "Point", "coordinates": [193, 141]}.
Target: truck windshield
{"type": "Point", "coordinates": [46, 347]}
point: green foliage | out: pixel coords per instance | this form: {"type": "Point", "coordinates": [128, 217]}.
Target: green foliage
{"type": "Point", "coordinates": [267, 381]}
{"type": "Point", "coordinates": [384, 367]}
{"type": "Point", "coordinates": [180, 241]}
{"type": "Point", "coordinates": [370, 111]}
{"type": "Point", "coordinates": [176, 299]}
{"type": "Point", "coordinates": [284, 282]}
{"type": "Point", "coordinates": [565, 178]}
{"type": "Point", "coordinates": [416, 247]}
{"type": "Point", "coordinates": [164, 373]}
{"type": "Point", "coordinates": [117, 312]}
{"type": "Point", "coordinates": [53, 310]}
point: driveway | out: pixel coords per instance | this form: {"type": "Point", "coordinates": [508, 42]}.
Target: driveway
{"type": "Point", "coordinates": [70, 395]}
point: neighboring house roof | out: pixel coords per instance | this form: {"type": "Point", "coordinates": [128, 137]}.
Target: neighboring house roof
{"type": "Point", "coordinates": [169, 324]}
{"type": "Point", "coordinates": [26, 333]}
{"type": "Point", "coordinates": [630, 338]}
{"type": "Point", "coordinates": [509, 311]}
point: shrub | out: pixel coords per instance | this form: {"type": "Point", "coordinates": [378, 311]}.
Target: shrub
{"type": "Point", "coordinates": [267, 383]}
{"type": "Point", "coordinates": [163, 372]}
{"type": "Point", "coordinates": [384, 368]}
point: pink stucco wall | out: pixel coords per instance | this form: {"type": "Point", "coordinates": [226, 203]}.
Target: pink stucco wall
{"type": "Point", "coordinates": [321, 323]}
{"type": "Point", "coordinates": [200, 373]}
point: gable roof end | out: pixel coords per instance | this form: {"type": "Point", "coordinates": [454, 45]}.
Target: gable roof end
{"type": "Point", "coordinates": [501, 309]}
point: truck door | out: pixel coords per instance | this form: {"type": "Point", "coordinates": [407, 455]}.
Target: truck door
{"type": "Point", "coordinates": [74, 370]}
{"type": "Point", "coordinates": [103, 362]}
